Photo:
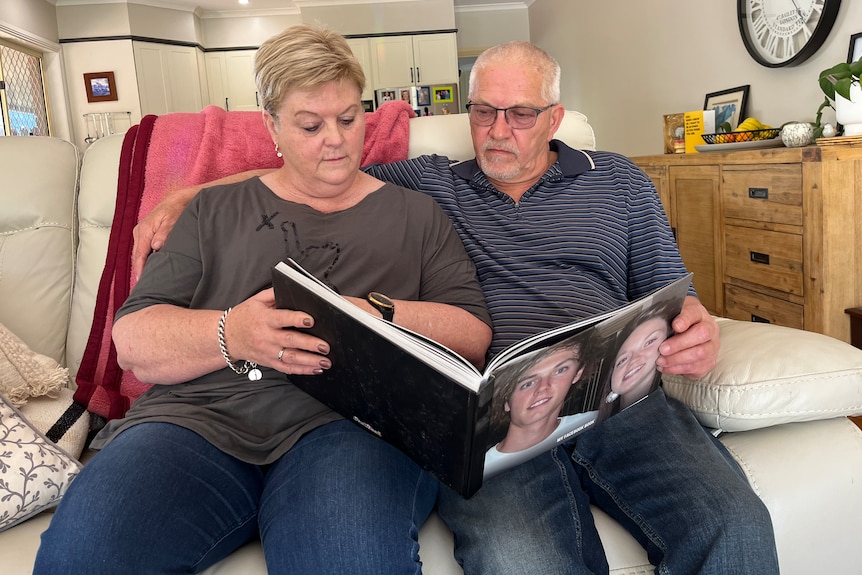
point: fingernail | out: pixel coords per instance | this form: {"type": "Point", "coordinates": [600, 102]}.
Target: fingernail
{"type": "Point", "coordinates": [316, 371]}
{"type": "Point", "coordinates": [307, 322]}
{"type": "Point", "coordinates": [325, 363]}
{"type": "Point", "coordinates": [323, 348]}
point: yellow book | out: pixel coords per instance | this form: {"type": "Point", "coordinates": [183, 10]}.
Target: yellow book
{"type": "Point", "coordinates": [697, 124]}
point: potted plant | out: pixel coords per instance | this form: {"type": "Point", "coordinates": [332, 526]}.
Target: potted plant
{"type": "Point", "coordinates": [840, 83]}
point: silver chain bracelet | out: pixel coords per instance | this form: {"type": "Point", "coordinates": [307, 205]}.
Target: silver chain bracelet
{"type": "Point", "coordinates": [248, 367]}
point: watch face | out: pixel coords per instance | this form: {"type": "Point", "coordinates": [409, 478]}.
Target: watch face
{"type": "Point", "coordinates": [785, 32]}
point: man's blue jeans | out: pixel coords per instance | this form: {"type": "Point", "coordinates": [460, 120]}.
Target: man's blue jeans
{"type": "Point", "coordinates": [160, 499]}
{"type": "Point", "coordinates": [651, 467]}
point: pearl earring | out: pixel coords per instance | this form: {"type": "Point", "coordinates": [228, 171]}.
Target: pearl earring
{"type": "Point", "coordinates": [277, 153]}
{"type": "Point", "coordinates": [612, 397]}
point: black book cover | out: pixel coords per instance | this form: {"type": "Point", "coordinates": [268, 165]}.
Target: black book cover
{"type": "Point", "coordinates": [441, 425]}
{"type": "Point", "coordinates": [445, 414]}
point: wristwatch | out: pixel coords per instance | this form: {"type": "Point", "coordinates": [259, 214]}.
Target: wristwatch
{"type": "Point", "coordinates": [382, 304]}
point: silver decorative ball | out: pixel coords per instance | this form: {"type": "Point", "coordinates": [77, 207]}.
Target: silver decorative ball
{"type": "Point", "coordinates": [829, 131]}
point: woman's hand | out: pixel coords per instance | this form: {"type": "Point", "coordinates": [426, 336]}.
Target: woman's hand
{"type": "Point", "coordinates": [256, 331]}
{"type": "Point", "coordinates": [166, 344]}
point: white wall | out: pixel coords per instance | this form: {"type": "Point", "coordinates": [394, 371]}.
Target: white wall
{"type": "Point", "coordinates": [383, 17]}
{"type": "Point", "coordinates": [245, 32]}
{"type": "Point", "coordinates": [625, 64]}
{"type": "Point", "coordinates": [114, 56]}
{"type": "Point", "coordinates": [479, 29]}
{"type": "Point", "coordinates": [37, 17]}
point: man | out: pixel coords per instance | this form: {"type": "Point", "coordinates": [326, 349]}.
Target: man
{"type": "Point", "coordinates": [558, 235]}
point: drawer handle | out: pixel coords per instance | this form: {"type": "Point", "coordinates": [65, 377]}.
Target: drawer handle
{"type": "Point", "coordinates": [759, 258]}
{"type": "Point", "coordinates": [758, 193]}
{"type": "Point", "coordinates": [758, 319]}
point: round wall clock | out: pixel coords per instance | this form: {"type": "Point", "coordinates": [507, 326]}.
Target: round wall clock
{"type": "Point", "coordinates": [785, 32]}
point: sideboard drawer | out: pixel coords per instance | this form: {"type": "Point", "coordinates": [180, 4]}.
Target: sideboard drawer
{"type": "Point", "coordinates": [764, 193]}
{"type": "Point", "coordinates": [746, 305]}
{"type": "Point", "coordinates": [764, 257]}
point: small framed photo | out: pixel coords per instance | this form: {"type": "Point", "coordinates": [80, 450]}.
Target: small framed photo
{"type": "Point", "coordinates": [855, 51]}
{"type": "Point", "coordinates": [423, 96]}
{"type": "Point", "coordinates": [729, 105]}
{"type": "Point", "coordinates": [443, 94]}
{"type": "Point", "coordinates": [100, 87]}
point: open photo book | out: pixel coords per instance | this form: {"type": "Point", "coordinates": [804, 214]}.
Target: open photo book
{"type": "Point", "coordinates": [464, 424]}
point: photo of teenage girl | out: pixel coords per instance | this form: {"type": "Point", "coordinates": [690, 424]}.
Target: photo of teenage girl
{"type": "Point", "coordinates": [633, 372]}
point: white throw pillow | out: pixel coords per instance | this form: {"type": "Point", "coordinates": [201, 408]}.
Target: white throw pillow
{"type": "Point", "coordinates": [768, 374]}
{"type": "Point", "coordinates": [34, 472]}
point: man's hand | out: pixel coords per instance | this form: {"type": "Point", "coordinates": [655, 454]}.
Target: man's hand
{"type": "Point", "coordinates": [693, 349]}
{"type": "Point", "coordinates": [152, 231]}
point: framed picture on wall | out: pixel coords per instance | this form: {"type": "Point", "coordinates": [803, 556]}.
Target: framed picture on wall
{"type": "Point", "coordinates": [855, 48]}
{"type": "Point", "coordinates": [729, 105]}
{"type": "Point", "coordinates": [443, 94]}
{"type": "Point", "coordinates": [423, 96]}
{"type": "Point", "coordinates": [100, 87]}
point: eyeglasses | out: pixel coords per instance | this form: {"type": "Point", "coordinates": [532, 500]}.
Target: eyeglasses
{"type": "Point", "coordinates": [518, 117]}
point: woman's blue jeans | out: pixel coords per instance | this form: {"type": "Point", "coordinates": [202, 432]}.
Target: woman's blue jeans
{"type": "Point", "coordinates": [652, 467]}
{"type": "Point", "coordinates": [160, 499]}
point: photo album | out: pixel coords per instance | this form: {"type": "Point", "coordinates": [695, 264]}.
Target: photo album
{"type": "Point", "coordinates": [463, 424]}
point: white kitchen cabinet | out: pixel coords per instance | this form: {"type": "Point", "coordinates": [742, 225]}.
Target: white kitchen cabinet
{"type": "Point", "coordinates": [230, 77]}
{"type": "Point", "coordinates": [168, 78]}
{"type": "Point", "coordinates": [415, 60]}
{"type": "Point", "coordinates": [362, 50]}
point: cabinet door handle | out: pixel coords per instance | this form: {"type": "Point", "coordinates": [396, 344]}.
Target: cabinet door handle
{"type": "Point", "coordinates": [256, 101]}
{"type": "Point", "coordinates": [418, 79]}
{"type": "Point", "coordinates": [758, 319]}
{"type": "Point", "coordinates": [758, 193]}
{"type": "Point", "coordinates": [226, 105]}
{"type": "Point", "coordinates": [411, 74]}
{"type": "Point", "coordinates": [759, 258]}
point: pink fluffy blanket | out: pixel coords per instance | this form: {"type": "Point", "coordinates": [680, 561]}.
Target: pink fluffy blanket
{"type": "Point", "coordinates": [169, 152]}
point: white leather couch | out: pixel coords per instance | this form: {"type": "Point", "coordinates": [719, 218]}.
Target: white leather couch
{"type": "Point", "coordinates": [786, 392]}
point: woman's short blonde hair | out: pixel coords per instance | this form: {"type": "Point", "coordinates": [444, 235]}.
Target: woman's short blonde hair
{"type": "Point", "coordinates": [303, 57]}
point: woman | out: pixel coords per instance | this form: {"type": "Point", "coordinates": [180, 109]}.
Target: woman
{"type": "Point", "coordinates": [223, 448]}
{"type": "Point", "coordinates": [634, 374]}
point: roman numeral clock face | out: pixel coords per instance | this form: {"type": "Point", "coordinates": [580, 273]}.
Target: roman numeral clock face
{"type": "Point", "coordinates": [785, 32]}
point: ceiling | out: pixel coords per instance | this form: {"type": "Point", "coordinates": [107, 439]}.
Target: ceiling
{"type": "Point", "coordinates": [263, 7]}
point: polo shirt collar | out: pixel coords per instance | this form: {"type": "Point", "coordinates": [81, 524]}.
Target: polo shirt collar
{"type": "Point", "coordinates": [570, 163]}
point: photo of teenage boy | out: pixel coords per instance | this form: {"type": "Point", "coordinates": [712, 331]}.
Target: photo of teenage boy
{"type": "Point", "coordinates": [529, 398]}
{"type": "Point", "coordinates": [633, 373]}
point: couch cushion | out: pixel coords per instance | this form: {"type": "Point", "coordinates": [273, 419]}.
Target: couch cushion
{"type": "Point", "coordinates": [768, 374]}
{"type": "Point", "coordinates": [34, 472]}
{"type": "Point", "coordinates": [37, 198]}
{"type": "Point", "coordinates": [96, 200]}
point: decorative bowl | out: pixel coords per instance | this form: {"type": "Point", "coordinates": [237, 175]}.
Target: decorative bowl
{"type": "Point", "coordinates": [747, 136]}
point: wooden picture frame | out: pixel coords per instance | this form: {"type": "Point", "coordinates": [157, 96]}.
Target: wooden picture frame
{"type": "Point", "coordinates": [729, 105]}
{"type": "Point", "coordinates": [101, 87]}
{"type": "Point", "coordinates": [855, 51]}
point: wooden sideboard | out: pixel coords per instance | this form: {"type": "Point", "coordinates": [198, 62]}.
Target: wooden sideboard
{"type": "Point", "coordinates": [772, 235]}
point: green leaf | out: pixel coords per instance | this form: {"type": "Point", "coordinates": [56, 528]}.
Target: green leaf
{"type": "Point", "coordinates": [842, 87]}
{"type": "Point", "coordinates": [725, 128]}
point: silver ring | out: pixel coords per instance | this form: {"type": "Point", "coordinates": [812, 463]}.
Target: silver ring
{"type": "Point", "coordinates": [281, 354]}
